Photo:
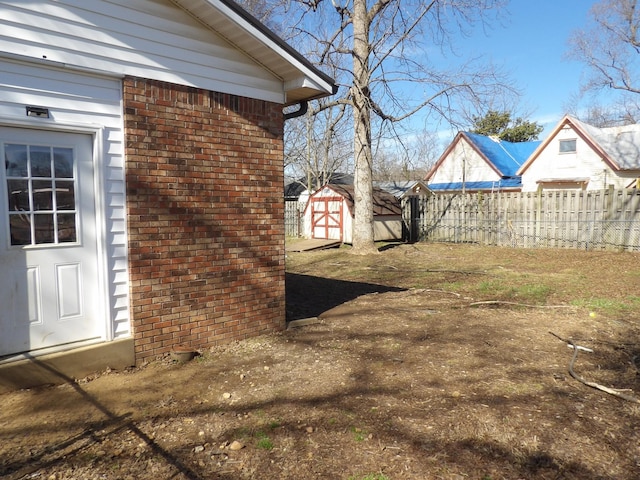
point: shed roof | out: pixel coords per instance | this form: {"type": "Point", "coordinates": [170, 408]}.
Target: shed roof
{"type": "Point", "coordinates": [296, 188]}
{"type": "Point", "coordinates": [384, 203]}
{"type": "Point", "coordinates": [400, 189]}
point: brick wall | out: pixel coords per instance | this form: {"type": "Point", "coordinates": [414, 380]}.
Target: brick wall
{"type": "Point", "coordinates": [205, 216]}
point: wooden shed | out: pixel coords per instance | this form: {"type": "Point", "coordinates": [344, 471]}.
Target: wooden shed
{"type": "Point", "coordinates": [330, 214]}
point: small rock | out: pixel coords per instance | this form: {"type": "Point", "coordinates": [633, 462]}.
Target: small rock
{"type": "Point", "coordinates": [266, 367]}
{"type": "Point", "coordinates": [236, 445]}
{"type": "Point", "coordinates": [199, 448]}
{"type": "Point", "coordinates": [226, 395]}
{"type": "Point", "coordinates": [309, 429]}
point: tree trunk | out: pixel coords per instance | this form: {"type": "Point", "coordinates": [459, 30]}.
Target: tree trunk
{"type": "Point", "coordinates": [363, 240]}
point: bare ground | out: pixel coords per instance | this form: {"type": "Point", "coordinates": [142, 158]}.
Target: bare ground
{"type": "Point", "coordinates": [405, 375]}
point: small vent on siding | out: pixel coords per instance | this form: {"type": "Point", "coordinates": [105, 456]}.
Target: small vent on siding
{"type": "Point", "coordinates": [40, 112]}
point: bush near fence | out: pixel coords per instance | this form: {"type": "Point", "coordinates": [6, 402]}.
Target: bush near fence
{"type": "Point", "coordinates": [603, 219]}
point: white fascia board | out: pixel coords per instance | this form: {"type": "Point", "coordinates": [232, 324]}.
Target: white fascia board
{"type": "Point", "coordinates": [313, 78]}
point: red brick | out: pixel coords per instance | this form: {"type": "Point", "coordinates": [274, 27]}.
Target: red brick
{"type": "Point", "coordinates": [205, 216]}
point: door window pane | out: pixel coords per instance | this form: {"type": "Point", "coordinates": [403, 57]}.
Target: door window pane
{"type": "Point", "coordinates": [65, 195]}
{"type": "Point", "coordinates": [66, 227]}
{"type": "Point", "coordinates": [18, 194]}
{"type": "Point", "coordinates": [15, 160]}
{"type": "Point", "coordinates": [20, 228]}
{"type": "Point", "coordinates": [40, 159]}
{"type": "Point", "coordinates": [44, 228]}
{"type": "Point", "coordinates": [63, 162]}
{"type": "Point", "coordinates": [41, 194]}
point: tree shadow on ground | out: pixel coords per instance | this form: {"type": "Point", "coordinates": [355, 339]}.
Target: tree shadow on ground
{"type": "Point", "coordinates": [309, 296]}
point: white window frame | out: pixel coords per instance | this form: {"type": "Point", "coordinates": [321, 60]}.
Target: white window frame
{"type": "Point", "coordinates": [567, 141]}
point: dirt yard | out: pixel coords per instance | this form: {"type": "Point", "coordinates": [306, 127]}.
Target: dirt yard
{"type": "Point", "coordinates": [426, 362]}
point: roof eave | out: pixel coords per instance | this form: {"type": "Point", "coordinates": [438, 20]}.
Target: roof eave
{"type": "Point", "coordinates": [575, 125]}
{"type": "Point", "coordinates": [301, 79]}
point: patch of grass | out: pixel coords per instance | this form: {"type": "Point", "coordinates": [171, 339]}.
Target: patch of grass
{"type": "Point", "coordinates": [370, 476]}
{"type": "Point", "coordinates": [358, 434]}
{"type": "Point", "coordinates": [451, 286]}
{"type": "Point", "coordinates": [534, 293]}
{"type": "Point", "coordinates": [506, 289]}
{"type": "Point", "coordinates": [496, 289]}
{"type": "Point", "coordinates": [274, 424]}
{"type": "Point", "coordinates": [264, 442]}
{"type": "Point", "coordinates": [607, 305]}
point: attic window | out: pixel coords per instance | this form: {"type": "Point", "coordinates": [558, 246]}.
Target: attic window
{"type": "Point", "coordinates": [568, 146]}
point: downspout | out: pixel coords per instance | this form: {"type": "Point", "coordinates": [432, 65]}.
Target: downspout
{"type": "Point", "coordinates": [304, 106]}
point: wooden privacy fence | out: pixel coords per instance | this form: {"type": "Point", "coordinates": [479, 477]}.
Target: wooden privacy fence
{"type": "Point", "coordinates": [293, 217]}
{"type": "Point", "coordinates": [604, 219]}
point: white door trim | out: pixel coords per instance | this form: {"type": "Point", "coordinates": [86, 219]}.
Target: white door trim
{"type": "Point", "coordinates": [97, 134]}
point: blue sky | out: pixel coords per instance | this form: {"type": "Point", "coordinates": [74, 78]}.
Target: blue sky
{"type": "Point", "coordinates": [531, 43]}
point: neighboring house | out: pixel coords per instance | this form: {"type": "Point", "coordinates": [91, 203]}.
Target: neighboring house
{"type": "Point", "coordinates": [474, 162]}
{"type": "Point", "coordinates": [330, 211]}
{"type": "Point", "coordinates": [579, 156]}
{"type": "Point", "coordinates": [141, 189]}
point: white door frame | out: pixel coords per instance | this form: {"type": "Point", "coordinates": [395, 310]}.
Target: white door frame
{"type": "Point", "coordinates": [96, 131]}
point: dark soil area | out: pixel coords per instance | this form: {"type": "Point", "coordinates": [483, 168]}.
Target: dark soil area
{"type": "Point", "coordinates": [422, 362]}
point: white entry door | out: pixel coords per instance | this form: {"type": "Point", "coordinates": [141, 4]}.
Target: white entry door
{"type": "Point", "coordinates": [49, 284]}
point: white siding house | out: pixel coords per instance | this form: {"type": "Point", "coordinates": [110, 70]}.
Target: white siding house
{"type": "Point", "coordinates": [474, 162]}
{"type": "Point", "coordinates": [579, 156]}
{"type": "Point", "coordinates": [62, 68]}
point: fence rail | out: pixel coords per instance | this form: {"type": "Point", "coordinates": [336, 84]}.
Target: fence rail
{"type": "Point", "coordinates": [604, 219]}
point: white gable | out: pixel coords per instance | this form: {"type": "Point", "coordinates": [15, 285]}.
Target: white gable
{"type": "Point", "coordinates": [463, 163]}
{"type": "Point", "coordinates": [154, 39]}
{"type": "Point", "coordinates": [603, 157]}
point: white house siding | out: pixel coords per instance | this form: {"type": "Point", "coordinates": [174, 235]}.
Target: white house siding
{"type": "Point", "coordinates": [585, 163]}
{"type": "Point", "coordinates": [78, 102]}
{"type": "Point", "coordinates": [146, 38]}
{"type": "Point", "coordinates": [464, 158]}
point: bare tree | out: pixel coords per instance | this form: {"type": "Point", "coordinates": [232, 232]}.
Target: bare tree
{"type": "Point", "coordinates": [393, 46]}
{"type": "Point", "coordinates": [316, 145]}
{"type": "Point", "coordinates": [419, 151]}
{"type": "Point", "coordinates": [610, 46]}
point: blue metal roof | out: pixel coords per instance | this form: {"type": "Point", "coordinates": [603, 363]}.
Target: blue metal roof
{"type": "Point", "coordinates": [507, 157]}
{"type": "Point", "coordinates": [509, 183]}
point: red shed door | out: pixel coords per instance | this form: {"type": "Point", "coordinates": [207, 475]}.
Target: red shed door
{"type": "Point", "coordinates": [326, 218]}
